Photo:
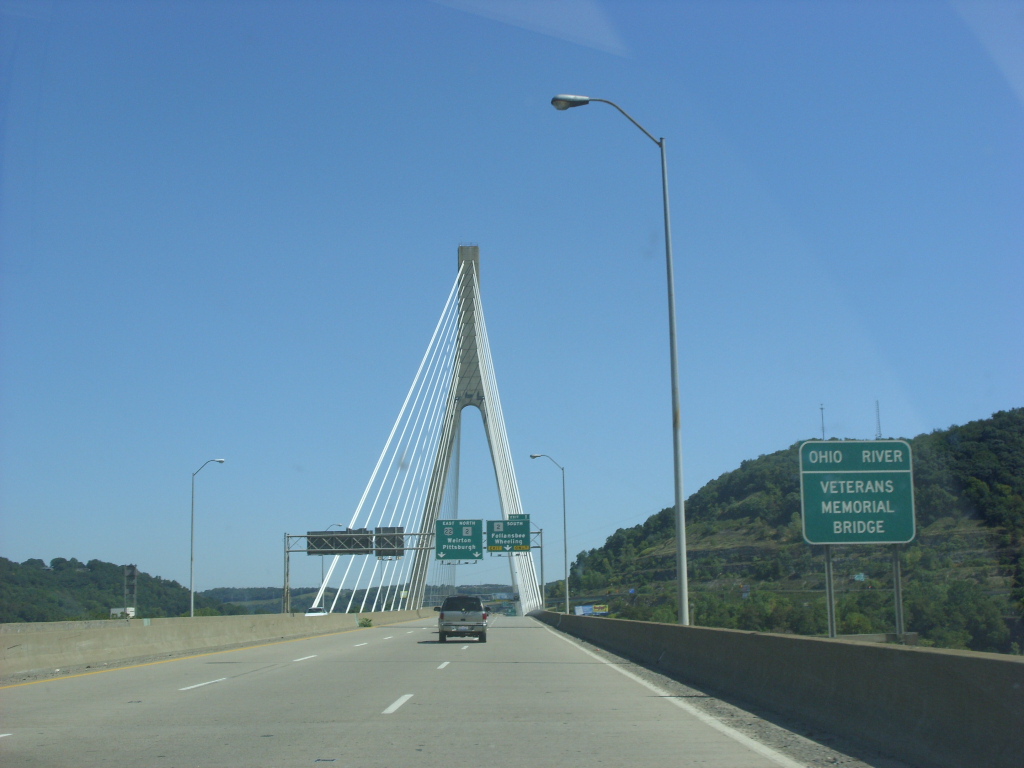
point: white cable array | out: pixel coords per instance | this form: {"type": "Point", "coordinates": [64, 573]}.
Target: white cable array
{"type": "Point", "coordinates": [423, 430]}
{"type": "Point", "coordinates": [416, 501]}
{"type": "Point", "coordinates": [409, 453]}
{"type": "Point", "coordinates": [433, 373]}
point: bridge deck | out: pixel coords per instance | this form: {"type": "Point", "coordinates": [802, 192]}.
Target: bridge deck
{"type": "Point", "coordinates": [388, 696]}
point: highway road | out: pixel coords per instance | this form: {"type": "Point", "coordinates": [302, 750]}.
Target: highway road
{"type": "Point", "coordinates": [378, 697]}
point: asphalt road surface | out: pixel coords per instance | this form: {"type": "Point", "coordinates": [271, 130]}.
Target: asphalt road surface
{"type": "Point", "coordinates": [379, 697]}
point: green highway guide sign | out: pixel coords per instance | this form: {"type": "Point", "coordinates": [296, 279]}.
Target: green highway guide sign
{"type": "Point", "coordinates": [512, 535]}
{"type": "Point", "coordinates": [857, 492]}
{"type": "Point", "coordinates": [459, 540]}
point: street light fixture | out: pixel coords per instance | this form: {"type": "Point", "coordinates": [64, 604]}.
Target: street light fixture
{"type": "Point", "coordinates": [565, 536]}
{"type": "Point", "coordinates": [192, 551]}
{"type": "Point", "coordinates": [566, 101]}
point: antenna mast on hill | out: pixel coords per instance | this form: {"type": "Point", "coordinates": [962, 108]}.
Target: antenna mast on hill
{"type": "Point", "coordinates": [878, 422]}
{"type": "Point", "coordinates": [821, 407]}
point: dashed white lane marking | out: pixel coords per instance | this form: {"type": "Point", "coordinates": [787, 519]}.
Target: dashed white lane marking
{"type": "Point", "coordinates": [444, 665]}
{"type": "Point", "coordinates": [5, 734]}
{"type": "Point", "coordinates": [463, 647]}
{"type": "Point", "coordinates": [200, 685]}
{"type": "Point", "coordinates": [749, 743]}
{"type": "Point", "coordinates": [358, 644]}
{"type": "Point", "coordinates": [399, 702]}
{"type": "Point", "coordinates": [305, 657]}
{"type": "Point", "coordinates": [389, 637]}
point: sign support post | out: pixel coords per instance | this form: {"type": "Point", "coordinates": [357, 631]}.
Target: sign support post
{"type": "Point", "coordinates": [830, 592]}
{"type": "Point", "coordinates": [286, 596]}
{"type": "Point", "coordinates": [543, 587]}
{"type": "Point", "coordinates": [897, 592]}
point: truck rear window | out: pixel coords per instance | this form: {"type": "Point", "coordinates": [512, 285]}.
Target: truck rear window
{"type": "Point", "coordinates": [462, 604]}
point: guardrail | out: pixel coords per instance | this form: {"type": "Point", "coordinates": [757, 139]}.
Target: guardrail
{"type": "Point", "coordinates": [44, 647]}
{"type": "Point", "coordinates": [930, 707]}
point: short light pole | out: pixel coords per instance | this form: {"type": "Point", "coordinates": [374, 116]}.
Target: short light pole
{"type": "Point", "coordinates": [565, 535]}
{"type": "Point", "coordinates": [192, 550]}
{"type": "Point", "coordinates": [566, 101]}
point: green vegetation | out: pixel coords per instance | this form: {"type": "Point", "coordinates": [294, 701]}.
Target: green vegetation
{"type": "Point", "coordinates": [248, 594]}
{"type": "Point", "coordinates": [68, 590]}
{"type": "Point", "coordinates": [750, 568]}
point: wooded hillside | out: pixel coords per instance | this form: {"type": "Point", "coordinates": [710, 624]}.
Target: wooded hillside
{"type": "Point", "coordinates": [68, 590]}
{"type": "Point", "coordinates": [750, 568]}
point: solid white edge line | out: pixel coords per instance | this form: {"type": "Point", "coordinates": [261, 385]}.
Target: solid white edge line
{"type": "Point", "coordinates": [399, 702]}
{"type": "Point", "coordinates": [776, 757]}
{"type": "Point", "coordinates": [445, 664]}
{"type": "Point", "coordinates": [200, 685]}
{"type": "Point", "coordinates": [305, 657]}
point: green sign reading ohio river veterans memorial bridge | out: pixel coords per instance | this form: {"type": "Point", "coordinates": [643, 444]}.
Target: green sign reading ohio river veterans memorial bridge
{"type": "Point", "coordinates": [857, 492]}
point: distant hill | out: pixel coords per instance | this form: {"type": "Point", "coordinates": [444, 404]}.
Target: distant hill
{"type": "Point", "coordinates": [264, 599]}
{"type": "Point", "coordinates": [68, 590]}
{"type": "Point", "coordinates": [750, 568]}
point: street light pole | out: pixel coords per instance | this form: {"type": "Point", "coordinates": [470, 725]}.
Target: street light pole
{"type": "Point", "coordinates": [565, 535]}
{"type": "Point", "coordinates": [192, 549]}
{"type": "Point", "coordinates": [567, 101]}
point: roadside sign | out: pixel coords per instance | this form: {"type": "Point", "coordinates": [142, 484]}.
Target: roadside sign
{"type": "Point", "coordinates": [506, 536]}
{"type": "Point", "coordinates": [857, 492]}
{"type": "Point", "coordinates": [459, 540]}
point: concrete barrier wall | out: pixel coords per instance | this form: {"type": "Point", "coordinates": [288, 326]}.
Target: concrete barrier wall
{"type": "Point", "coordinates": [929, 707]}
{"type": "Point", "coordinates": [46, 646]}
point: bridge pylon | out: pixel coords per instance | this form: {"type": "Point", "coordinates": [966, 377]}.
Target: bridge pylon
{"type": "Point", "coordinates": [473, 383]}
{"type": "Point", "coordinates": [415, 482]}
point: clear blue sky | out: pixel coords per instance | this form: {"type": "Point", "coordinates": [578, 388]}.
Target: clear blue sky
{"type": "Point", "coordinates": [227, 230]}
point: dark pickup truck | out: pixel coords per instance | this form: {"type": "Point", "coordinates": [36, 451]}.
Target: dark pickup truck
{"type": "Point", "coordinates": [461, 616]}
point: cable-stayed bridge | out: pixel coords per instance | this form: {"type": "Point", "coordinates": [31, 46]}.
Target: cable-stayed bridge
{"type": "Point", "coordinates": [415, 482]}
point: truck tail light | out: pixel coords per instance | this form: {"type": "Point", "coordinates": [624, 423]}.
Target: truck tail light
{"type": "Point", "coordinates": [485, 616]}
{"type": "Point", "coordinates": [442, 615]}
